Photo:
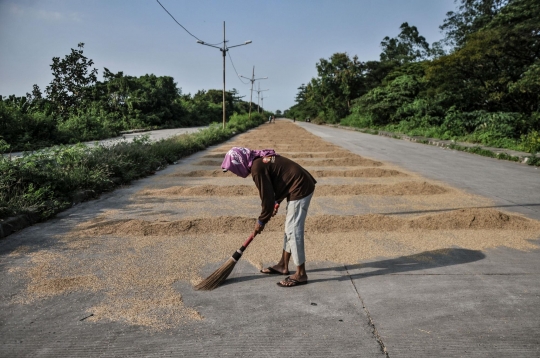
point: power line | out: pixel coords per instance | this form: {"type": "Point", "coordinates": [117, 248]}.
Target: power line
{"type": "Point", "coordinates": [224, 51]}
{"type": "Point", "coordinates": [252, 80]}
{"type": "Point", "coordinates": [177, 21]}
{"type": "Point", "coordinates": [230, 58]}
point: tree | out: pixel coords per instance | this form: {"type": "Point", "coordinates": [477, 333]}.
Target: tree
{"type": "Point", "coordinates": [301, 95]}
{"type": "Point", "coordinates": [374, 73]}
{"type": "Point", "coordinates": [409, 46]}
{"type": "Point", "coordinates": [339, 81]}
{"type": "Point", "coordinates": [388, 103]}
{"type": "Point", "coordinates": [528, 88]}
{"type": "Point", "coordinates": [472, 15]}
{"type": "Point", "coordinates": [73, 77]}
{"type": "Point", "coordinates": [486, 72]}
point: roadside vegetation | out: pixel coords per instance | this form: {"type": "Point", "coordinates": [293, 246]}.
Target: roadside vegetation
{"type": "Point", "coordinates": [480, 84]}
{"type": "Point", "coordinates": [50, 180]}
{"type": "Point", "coordinates": [77, 107]}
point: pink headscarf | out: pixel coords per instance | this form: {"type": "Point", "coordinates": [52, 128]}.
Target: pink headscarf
{"type": "Point", "coordinates": [239, 160]}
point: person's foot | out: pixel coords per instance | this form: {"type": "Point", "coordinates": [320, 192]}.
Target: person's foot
{"type": "Point", "coordinates": [294, 280]}
{"type": "Point", "coordinates": [275, 270]}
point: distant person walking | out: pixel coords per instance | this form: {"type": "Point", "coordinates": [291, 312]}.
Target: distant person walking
{"type": "Point", "coordinates": [269, 119]}
{"type": "Point", "coordinates": [274, 119]}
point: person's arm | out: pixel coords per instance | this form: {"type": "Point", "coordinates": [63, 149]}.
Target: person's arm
{"type": "Point", "coordinates": [266, 193]}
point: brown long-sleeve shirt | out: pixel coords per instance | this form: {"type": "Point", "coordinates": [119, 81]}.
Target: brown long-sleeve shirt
{"type": "Point", "coordinates": [278, 178]}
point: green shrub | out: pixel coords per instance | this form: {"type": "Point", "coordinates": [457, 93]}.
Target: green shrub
{"type": "Point", "coordinates": [84, 127]}
{"type": "Point", "coordinates": [46, 180]}
{"type": "Point", "coordinates": [534, 160]}
{"type": "Point", "coordinates": [531, 142]}
{"type": "Point", "coordinates": [26, 131]}
{"type": "Point", "coordinates": [357, 120]}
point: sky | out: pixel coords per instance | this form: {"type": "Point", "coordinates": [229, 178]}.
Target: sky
{"type": "Point", "coordinates": [138, 37]}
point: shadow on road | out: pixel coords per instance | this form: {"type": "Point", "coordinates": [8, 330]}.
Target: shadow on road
{"type": "Point", "coordinates": [452, 209]}
{"type": "Point", "coordinates": [421, 261]}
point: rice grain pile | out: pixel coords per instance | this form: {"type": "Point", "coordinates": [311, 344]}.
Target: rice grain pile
{"type": "Point", "coordinates": [405, 188]}
{"type": "Point", "coordinates": [132, 258]}
{"type": "Point", "coordinates": [350, 173]}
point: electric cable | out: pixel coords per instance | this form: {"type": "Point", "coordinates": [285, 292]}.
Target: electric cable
{"type": "Point", "coordinates": [240, 78]}
{"type": "Point", "coordinates": [183, 26]}
{"type": "Point", "coordinates": [177, 21]}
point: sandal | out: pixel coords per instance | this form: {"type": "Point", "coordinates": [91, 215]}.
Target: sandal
{"type": "Point", "coordinates": [290, 282]}
{"type": "Point", "coordinates": [272, 271]}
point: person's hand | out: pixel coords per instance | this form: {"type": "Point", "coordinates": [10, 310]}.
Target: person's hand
{"type": "Point", "coordinates": [259, 227]}
{"type": "Point", "coordinates": [276, 208]}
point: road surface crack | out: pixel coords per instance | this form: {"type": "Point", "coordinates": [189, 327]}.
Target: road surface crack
{"type": "Point", "coordinates": [370, 319]}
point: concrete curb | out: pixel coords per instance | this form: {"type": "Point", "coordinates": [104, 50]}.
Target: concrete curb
{"type": "Point", "coordinates": [16, 223]}
{"type": "Point", "coordinates": [137, 131]}
{"type": "Point", "coordinates": [498, 153]}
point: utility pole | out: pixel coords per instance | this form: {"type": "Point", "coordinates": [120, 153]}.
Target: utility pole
{"type": "Point", "coordinates": [223, 50]}
{"type": "Point", "coordinates": [258, 93]}
{"type": "Point", "coordinates": [252, 79]}
{"type": "Point", "coordinates": [262, 102]}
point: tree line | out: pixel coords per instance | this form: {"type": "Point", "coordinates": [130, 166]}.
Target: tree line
{"type": "Point", "coordinates": [77, 107]}
{"type": "Point", "coordinates": [480, 83]}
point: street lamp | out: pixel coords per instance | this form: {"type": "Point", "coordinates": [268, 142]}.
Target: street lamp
{"type": "Point", "coordinates": [252, 79]}
{"type": "Point", "coordinates": [223, 50]}
{"type": "Point", "coordinates": [258, 94]}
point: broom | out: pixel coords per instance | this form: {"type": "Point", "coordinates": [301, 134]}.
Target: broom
{"type": "Point", "coordinates": [221, 274]}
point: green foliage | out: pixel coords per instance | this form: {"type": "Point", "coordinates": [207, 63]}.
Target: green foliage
{"type": "Point", "coordinates": [471, 16]}
{"type": "Point", "coordinates": [73, 78]}
{"type": "Point", "coordinates": [23, 130]}
{"type": "Point", "coordinates": [495, 69]}
{"type": "Point", "coordinates": [485, 90]}
{"type": "Point", "coordinates": [409, 46]}
{"type": "Point", "coordinates": [484, 152]}
{"type": "Point", "coordinates": [78, 107]}
{"type": "Point", "coordinates": [534, 160]}
{"type": "Point", "coordinates": [47, 180]}
{"type": "Point", "coordinates": [4, 146]}
{"type": "Point", "coordinates": [531, 142]}
{"type": "Point", "coordinates": [357, 119]}
{"type": "Point", "coordinates": [394, 100]}
{"type": "Point", "coordinates": [528, 86]}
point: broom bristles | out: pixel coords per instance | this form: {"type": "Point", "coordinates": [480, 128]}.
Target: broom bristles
{"type": "Point", "coordinates": [220, 275]}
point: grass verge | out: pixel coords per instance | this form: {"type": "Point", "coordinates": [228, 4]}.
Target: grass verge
{"type": "Point", "coordinates": [533, 159]}
{"type": "Point", "coordinates": [51, 180]}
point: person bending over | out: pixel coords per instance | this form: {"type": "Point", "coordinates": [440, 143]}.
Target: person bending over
{"type": "Point", "coordinates": [278, 178]}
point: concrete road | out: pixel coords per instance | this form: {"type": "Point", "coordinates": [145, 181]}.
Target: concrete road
{"type": "Point", "coordinates": [488, 307]}
{"type": "Point", "coordinates": [465, 303]}
{"type": "Point", "coordinates": [513, 186]}
{"type": "Point", "coordinates": [154, 135]}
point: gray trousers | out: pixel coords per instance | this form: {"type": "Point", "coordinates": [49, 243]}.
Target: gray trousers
{"type": "Point", "coordinates": [294, 229]}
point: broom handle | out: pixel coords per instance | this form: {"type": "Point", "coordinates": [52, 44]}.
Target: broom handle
{"type": "Point", "coordinates": [248, 241]}
{"type": "Point", "coordinates": [236, 256]}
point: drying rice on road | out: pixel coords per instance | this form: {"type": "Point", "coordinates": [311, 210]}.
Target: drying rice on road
{"type": "Point", "coordinates": [133, 256]}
